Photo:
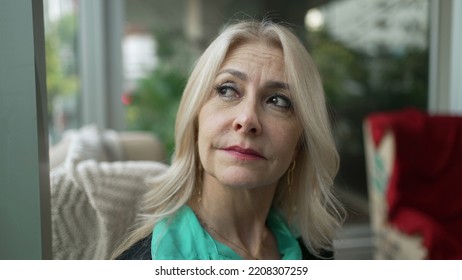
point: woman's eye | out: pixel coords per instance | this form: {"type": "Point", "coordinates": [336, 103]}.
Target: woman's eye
{"type": "Point", "coordinates": [280, 101]}
{"type": "Point", "coordinates": [227, 91]}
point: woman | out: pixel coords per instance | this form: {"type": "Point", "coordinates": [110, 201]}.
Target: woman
{"type": "Point", "coordinates": [254, 161]}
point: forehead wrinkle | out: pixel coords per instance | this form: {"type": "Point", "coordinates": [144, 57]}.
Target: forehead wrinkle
{"type": "Point", "coordinates": [238, 74]}
{"type": "Point", "coordinates": [242, 76]}
{"type": "Point", "coordinates": [255, 52]}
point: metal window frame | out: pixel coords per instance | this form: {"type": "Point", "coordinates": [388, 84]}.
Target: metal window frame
{"type": "Point", "coordinates": [101, 25]}
{"type": "Point", "coordinates": [25, 215]}
{"type": "Point", "coordinates": [25, 208]}
{"type": "Point", "coordinates": [445, 85]}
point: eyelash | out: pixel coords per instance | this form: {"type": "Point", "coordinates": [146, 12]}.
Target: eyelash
{"type": "Point", "coordinates": [230, 86]}
{"type": "Point", "coordinates": [284, 98]}
{"type": "Point", "coordinates": [226, 86]}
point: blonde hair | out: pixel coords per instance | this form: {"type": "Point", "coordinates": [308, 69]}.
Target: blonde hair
{"type": "Point", "coordinates": [310, 205]}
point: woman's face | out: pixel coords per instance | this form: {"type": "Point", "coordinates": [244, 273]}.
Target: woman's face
{"type": "Point", "coordinates": [248, 131]}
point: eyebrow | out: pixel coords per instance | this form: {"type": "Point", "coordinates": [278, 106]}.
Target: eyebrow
{"type": "Point", "coordinates": [276, 85]}
{"type": "Point", "coordinates": [242, 76]}
{"type": "Point", "coordinates": [238, 74]}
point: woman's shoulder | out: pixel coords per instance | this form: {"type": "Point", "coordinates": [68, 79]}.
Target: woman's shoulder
{"type": "Point", "coordinates": [307, 255]}
{"type": "Point", "coordinates": [141, 250]}
{"type": "Point", "coordinates": [172, 238]}
{"type": "Point", "coordinates": [181, 237]}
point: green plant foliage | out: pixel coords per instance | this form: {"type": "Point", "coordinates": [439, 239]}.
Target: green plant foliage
{"type": "Point", "coordinates": [357, 83]}
{"type": "Point", "coordinates": [154, 104]}
{"type": "Point", "coordinates": [61, 67]}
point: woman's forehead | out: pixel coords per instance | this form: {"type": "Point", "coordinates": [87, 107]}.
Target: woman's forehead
{"type": "Point", "coordinates": [252, 56]}
{"type": "Point", "coordinates": [255, 47]}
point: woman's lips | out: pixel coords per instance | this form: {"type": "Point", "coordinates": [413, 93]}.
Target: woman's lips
{"type": "Point", "coordinates": [243, 153]}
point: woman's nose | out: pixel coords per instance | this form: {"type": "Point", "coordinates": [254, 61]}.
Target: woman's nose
{"type": "Point", "coordinates": [247, 119]}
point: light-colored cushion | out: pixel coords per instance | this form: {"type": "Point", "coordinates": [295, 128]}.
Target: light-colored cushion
{"type": "Point", "coordinates": [95, 194]}
{"type": "Point", "coordinates": [90, 142]}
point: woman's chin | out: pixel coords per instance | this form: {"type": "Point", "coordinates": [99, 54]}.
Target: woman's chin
{"type": "Point", "coordinates": [242, 182]}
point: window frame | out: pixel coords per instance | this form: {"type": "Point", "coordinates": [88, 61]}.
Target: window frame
{"type": "Point", "coordinates": [25, 215]}
{"type": "Point", "coordinates": [445, 83]}
{"type": "Point", "coordinates": [101, 28]}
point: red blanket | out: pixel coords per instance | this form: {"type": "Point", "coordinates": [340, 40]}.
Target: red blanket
{"type": "Point", "coordinates": [424, 193]}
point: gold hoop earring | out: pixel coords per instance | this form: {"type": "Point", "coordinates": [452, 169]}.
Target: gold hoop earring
{"type": "Point", "coordinates": [290, 178]}
{"type": "Point", "coordinates": [199, 183]}
{"type": "Point", "coordinates": [290, 174]}
{"type": "Point", "coordinates": [199, 195]}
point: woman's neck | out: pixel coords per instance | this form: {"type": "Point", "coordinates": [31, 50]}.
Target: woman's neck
{"type": "Point", "coordinates": [236, 215]}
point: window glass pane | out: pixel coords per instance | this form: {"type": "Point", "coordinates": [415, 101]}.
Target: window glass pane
{"type": "Point", "coordinates": [373, 56]}
{"type": "Point", "coordinates": [157, 59]}
{"type": "Point", "coordinates": [61, 37]}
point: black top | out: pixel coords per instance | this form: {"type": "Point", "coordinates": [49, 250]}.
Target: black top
{"type": "Point", "coordinates": [141, 250]}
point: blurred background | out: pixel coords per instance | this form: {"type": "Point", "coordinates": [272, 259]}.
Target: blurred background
{"type": "Point", "coordinates": [122, 65]}
{"type": "Point", "coordinates": [372, 55]}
